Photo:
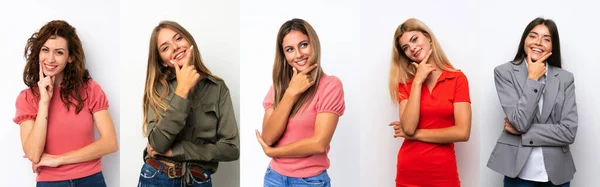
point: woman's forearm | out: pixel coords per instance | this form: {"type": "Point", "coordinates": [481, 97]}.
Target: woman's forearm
{"type": "Point", "coordinates": [274, 124]}
{"type": "Point", "coordinates": [96, 149]}
{"type": "Point", "coordinates": [409, 118]}
{"type": "Point", "coordinates": [35, 140]}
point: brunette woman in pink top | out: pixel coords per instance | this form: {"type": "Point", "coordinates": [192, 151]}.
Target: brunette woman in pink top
{"type": "Point", "coordinates": [302, 109]}
{"type": "Point", "coordinates": [58, 111]}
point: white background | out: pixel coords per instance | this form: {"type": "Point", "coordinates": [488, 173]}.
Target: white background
{"type": "Point", "coordinates": [215, 27]}
{"type": "Point", "coordinates": [455, 25]}
{"type": "Point", "coordinates": [97, 26]}
{"type": "Point", "coordinates": [502, 24]}
{"type": "Point", "coordinates": [337, 25]}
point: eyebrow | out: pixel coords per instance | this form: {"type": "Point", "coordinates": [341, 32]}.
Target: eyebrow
{"type": "Point", "coordinates": [298, 43]}
{"type": "Point", "coordinates": [405, 45]}
{"type": "Point", "coordinates": [55, 49]}
{"type": "Point", "coordinates": [166, 41]}
{"type": "Point", "coordinates": [539, 34]}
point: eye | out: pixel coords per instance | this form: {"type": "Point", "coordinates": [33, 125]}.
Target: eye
{"type": "Point", "coordinates": [547, 39]}
{"type": "Point", "coordinates": [531, 36]}
{"type": "Point", "coordinates": [404, 48]}
{"type": "Point", "coordinates": [179, 38]}
{"type": "Point", "coordinates": [45, 49]}
{"type": "Point", "coordinates": [289, 49]}
{"type": "Point", "coordinates": [413, 40]}
{"type": "Point", "coordinates": [60, 53]}
{"type": "Point", "coordinates": [164, 49]}
{"type": "Point", "coordinates": [303, 45]}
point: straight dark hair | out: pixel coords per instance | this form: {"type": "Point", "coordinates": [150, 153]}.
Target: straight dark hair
{"type": "Point", "coordinates": [554, 59]}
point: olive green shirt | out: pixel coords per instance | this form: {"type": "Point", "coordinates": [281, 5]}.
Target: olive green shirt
{"type": "Point", "coordinates": [200, 129]}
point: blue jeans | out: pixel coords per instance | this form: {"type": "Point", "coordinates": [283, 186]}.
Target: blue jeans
{"type": "Point", "coordinates": [151, 177]}
{"type": "Point", "coordinates": [274, 179]}
{"type": "Point", "coordinates": [95, 180]}
{"type": "Point", "coordinates": [517, 182]}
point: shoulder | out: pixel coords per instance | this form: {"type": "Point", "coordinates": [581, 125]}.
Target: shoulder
{"type": "Point", "coordinates": [505, 66]}
{"type": "Point", "coordinates": [330, 81]}
{"type": "Point", "coordinates": [563, 74]}
{"type": "Point", "coordinates": [26, 95]}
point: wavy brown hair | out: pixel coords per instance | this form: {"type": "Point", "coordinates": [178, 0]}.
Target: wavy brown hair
{"type": "Point", "coordinates": [401, 70]}
{"type": "Point", "coordinates": [282, 71]}
{"type": "Point", "coordinates": [157, 76]}
{"type": "Point", "coordinates": [75, 76]}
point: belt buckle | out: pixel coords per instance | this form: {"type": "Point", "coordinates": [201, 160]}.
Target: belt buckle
{"type": "Point", "coordinates": [173, 174]}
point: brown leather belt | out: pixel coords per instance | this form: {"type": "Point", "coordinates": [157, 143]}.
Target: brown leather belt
{"type": "Point", "coordinates": [174, 172]}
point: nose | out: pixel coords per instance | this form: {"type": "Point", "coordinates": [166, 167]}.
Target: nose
{"type": "Point", "coordinates": [413, 47]}
{"type": "Point", "coordinates": [538, 41]}
{"type": "Point", "coordinates": [51, 58]}
{"type": "Point", "coordinates": [299, 53]}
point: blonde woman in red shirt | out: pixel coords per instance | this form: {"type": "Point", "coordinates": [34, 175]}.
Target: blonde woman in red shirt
{"type": "Point", "coordinates": [58, 111]}
{"type": "Point", "coordinates": [435, 108]}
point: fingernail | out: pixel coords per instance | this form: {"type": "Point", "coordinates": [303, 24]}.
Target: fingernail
{"type": "Point", "coordinates": [171, 62]}
{"type": "Point", "coordinates": [192, 47]}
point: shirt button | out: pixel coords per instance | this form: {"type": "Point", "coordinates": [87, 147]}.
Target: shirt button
{"type": "Point", "coordinates": [530, 142]}
{"type": "Point", "coordinates": [534, 90]}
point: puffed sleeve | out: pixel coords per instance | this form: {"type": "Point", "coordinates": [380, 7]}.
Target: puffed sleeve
{"type": "Point", "coordinates": [462, 88]}
{"type": "Point", "coordinates": [403, 91]}
{"type": "Point", "coordinates": [331, 98]}
{"type": "Point", "coordinates": [96, 100]}
{"type": "Point", "coordinates": [27, 106]}
{"type": "Point", "coordinates": [268, 102]}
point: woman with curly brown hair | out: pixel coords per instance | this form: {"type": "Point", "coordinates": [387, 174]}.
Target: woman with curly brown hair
{"type": "Point", "coordinates": [58, 111]}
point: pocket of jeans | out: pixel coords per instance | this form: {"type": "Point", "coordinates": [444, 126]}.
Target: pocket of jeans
{"type": "Point", "coordinates": [318, 180]}
{"type": "Point", "coordinates": [268, 170]}
{"type": "Point", "coordinates": [197, 180]}
{"type": "Point", "coordinates": [148, 172]}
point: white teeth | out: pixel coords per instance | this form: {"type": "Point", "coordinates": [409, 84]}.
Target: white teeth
{"type": "Point", "coordinates": [536, 50]}
{"type": "Point", "coordinates": [50, 67]}
{"type": "Point", "coordinates": [301, 62]}
{"type": "Point", "coordinates": [179, 55]}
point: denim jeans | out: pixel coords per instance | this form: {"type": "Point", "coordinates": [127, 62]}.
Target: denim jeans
{"type": "Point", "coordinates": [274, 179]}
{"type": "Point", "coordinates": [151, 177]}
{"type": "Point", "coordinates": [95, 180]}
{"type": "Point", "coordinates": [517, 182]}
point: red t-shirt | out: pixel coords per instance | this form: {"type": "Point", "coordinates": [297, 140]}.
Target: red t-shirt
{"type": "Point", "coordinates": [429, 164]}
{"type": "Point", "coordinates": [66, 130]}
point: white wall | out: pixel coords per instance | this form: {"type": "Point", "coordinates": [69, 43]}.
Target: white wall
{"type": "Point", "coordinates": [96, 24]}
{"type": "Point", "coordinates": [215, 26]}
{"type": "Point", "coordinates": [336, 23]}
{"type": "Point", "coordinates": [455, 25]}
{"type": "Point", "coordinates": [502, 24]}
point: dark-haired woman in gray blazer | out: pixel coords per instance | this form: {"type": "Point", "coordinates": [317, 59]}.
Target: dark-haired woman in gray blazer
{"type": "Point", "coordinates": [538, 99]}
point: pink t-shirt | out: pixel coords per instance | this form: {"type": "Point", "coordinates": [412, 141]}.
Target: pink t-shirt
{"type": "Point", "coordinates": [66, 131]}
{"type": "Point", "coordinates": [329, 97]}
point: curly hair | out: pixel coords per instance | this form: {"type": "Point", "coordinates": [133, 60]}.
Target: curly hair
{"type": "Point", "coordinates": [76, 76]}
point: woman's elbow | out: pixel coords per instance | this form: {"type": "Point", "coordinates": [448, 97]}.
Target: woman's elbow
{"type": "Point", "coordinates": [464, 137]}
{"type": "Point", "coordinates": [34, 159]}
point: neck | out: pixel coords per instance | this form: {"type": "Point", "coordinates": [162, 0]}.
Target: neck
{"type": "Point", "coordinates": [58, 78]}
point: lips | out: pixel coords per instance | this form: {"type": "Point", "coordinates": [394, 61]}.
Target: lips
{"type": "Point", "coordinates": [418, 53]}
{"type": "Point", "coordinates": [50, 67]}
{"type": "Point", "coordinates": [302, 62]}
{"type": "Point", "coordinates": [180, 55]}
{"type": "Point", "coordinates": [536, 50]}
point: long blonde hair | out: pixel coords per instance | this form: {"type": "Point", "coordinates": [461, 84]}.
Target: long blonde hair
{"type": "Point", "coordinates": [282, 71]}
{"type": "Point", "coordinates": [401, 69]}
{"type": "Point", "coordinates": [158, 75]}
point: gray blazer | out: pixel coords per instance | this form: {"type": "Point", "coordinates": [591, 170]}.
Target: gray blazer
{"type": "Point", "coordinates": [554, 129]}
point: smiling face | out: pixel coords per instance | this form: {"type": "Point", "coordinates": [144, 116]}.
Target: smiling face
{"type": "Point", "coordinates": [297, 50]}
{"type": "Point", "coordinates": [172, 47]}
{"type": "Point", "coordinates": [415, 45]}
{"type": "Point", "coordinates": [538, 42]}
{"type": "Point", "coordinates": [54, 56]}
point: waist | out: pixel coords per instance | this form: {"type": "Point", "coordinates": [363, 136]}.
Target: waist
{"type": "Point", "coordinates": [177, 171]}
{"type": "Point", "coordinates": [70, 171]}
{"type": "Point", "coordinates": [301, 167]}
